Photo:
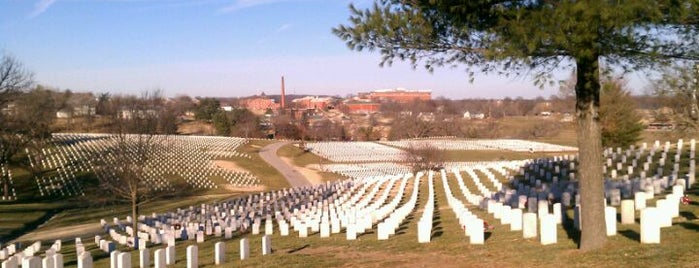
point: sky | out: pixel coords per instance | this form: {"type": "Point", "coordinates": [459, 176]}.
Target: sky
{"type": "Point", "coordinates": [218, 48]}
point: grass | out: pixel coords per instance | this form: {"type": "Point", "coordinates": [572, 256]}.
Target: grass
{"type": "Point", "coordinates": [303, 159]}
{"type": "Point", "coordinates": [268, 176]}
{"type": "Point", "coordinates": [449, 247]}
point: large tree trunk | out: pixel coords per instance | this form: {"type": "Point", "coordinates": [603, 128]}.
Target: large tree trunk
{"type": "Point", "coordinates": [134, 217]}
{"type": "Point", "coordinates": [591, 187]}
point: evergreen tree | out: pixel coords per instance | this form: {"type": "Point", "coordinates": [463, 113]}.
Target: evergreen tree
{"type": "Point", "coordinates": [537, 37]}
{"type": "Point", "coordinates": [621, 126]}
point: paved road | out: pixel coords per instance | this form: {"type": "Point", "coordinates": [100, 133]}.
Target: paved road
{"type": "Point", "coordinates": [269, 154]}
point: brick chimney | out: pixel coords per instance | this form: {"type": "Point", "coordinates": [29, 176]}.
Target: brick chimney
{"type": "Point", "coordinates": [283, 101]}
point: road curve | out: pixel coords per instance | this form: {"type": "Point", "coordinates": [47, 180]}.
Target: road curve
{"type": "Point", "coordinates": [269, 154]}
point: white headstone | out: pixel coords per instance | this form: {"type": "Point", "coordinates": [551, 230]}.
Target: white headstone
{"type": "Point", "coordinates": [650, 226]}
{"type": "Point", "coordinates": [548, 230]}
{"type": "Point", "coordinates": [352, 232]}
{"type": "Point", "coordinates": [48, 262]}
{"type": "Point", "coordinates": [303, 230]}
{"type": "Point", "coordinates": [219, 253]}
{"type": "Point", "coordinates": [31, 262]}
{"type": "Point", "coordinates": [476, 232]}
{"type": "Point", "coordinates": [542, 208]}
{"type": "Point", "coordinates": [85, 260]}
{"type": "Point", "coordinates": [628, 214]}
{"type": "Point", "coordinates": [57, 260]}
{"type": "Point", "coordinates": [506, 215]}
{"type": "Point", "coordinates": [283, 229]}
{"type": "Point", "coordinates": [269, 227]}
{"type": "Point", "coordinates": [192, 256]}
{"type": "Point", "coordinates": [266, 245]}
{"type": "Point", "coordinates": [424, 230]}
{"type": "Point", "coordinates": [516, 220]}
{"type": "Point", "coordinates": [640, 200]}
{"type": "Point", "coordinates": [144, 258]}
{"type": "Point", "coordinates": [324, 229]}
{"type": "Point", "coordinates": [200, 237]}
{"type": "Point", "coordinates": [11, 262]}
{"type": "Point", "coordinates": [170, 257]}
{"type": "Point", "coordinates": [227, 233]}
{"type": "Point", "coordinates": [529, 225]}
{"type": "Point", "coordinates": [114, 259]}
{"type": "Point", "coordinates": [558, 212]}
{"type": "Point", "coordinates": [664, 212]}
{"type": "Point", "coordinates": [124, 260]}
{"type": "Point", "coordinates": [159, 258]}
{"type": "Point", "coordinates": [610, 220]}
{"type": "Point", "coordinates": [244, 249]}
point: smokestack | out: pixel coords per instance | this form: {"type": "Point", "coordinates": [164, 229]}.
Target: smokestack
{"type": "Point", "coordinates": [283, 95]}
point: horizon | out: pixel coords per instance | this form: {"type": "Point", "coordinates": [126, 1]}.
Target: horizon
{"type": "Point", "coordinates": [220, 48]}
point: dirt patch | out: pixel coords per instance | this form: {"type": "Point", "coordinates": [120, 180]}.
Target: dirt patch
{"type": "Point", "coordinates": [229, 165]}
{"type": "Point", "coordinates": [195, 128]}
{"type": "Point", "coordinates": [311, 175]}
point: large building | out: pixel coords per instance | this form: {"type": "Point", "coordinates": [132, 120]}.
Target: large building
{"type": "Point", "coordinates": [362, 106]}
{"type": "Point", "coordinates": [259, 103]}
{"type": "Point", "coordinates": [312, 103]}
{"type": "Point", "coordinates": [400, 95]}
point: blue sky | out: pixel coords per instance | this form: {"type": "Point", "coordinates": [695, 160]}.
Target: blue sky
{"type": "Point", "coordinates": [214, 48]}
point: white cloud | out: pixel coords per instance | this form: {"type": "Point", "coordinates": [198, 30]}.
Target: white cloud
{"type": "Point", "coordinates": [41, 7]}
{"type": "Point", "coordinates": [284, 27]}
{"type": "Point", "coordinates": [243, 4]}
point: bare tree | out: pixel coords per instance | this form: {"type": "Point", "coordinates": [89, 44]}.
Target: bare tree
{"type": "Point", "coordinates": [14, 81]}
{"type": "Point", "coordinates": [424, 156]}
{"type": "Point", "coordinates": [135, 143]}
{"type": "Point", "coordinates": [677, 89]}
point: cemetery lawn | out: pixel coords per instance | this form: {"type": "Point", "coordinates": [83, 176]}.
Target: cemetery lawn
{"type": "Point", "coordinates": [449, 247]}
{"type": "Point", "coordinates": [268, 176]}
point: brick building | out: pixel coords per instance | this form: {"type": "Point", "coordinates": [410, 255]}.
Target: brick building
{"type": "Point", "coordinates": [259, 103]}
{"type": "Point", "coordinates": [399, 95]}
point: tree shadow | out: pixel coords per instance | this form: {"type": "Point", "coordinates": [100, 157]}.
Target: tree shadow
{"type": "Point", "coordinates": [298, 249]}
{"type": "Point", "coordinates": [688, 215]}
{"type": "Point", "coordinates": [487, 235]}
{"type": "Point", "coordinates": [437, 230]}
{"type": "Point", "coordinates": [370, 231]}
{"type": "Point", "coordinates": [572, 232]}
{"type": "Point", "coordinates": [690, 226]}
{"type": "Point", "coordinates": [631, 234]}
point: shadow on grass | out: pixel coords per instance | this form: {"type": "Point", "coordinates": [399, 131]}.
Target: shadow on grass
{"type": "Point", "coordinates": [571, 231]}
{"type": "Point", "coordinates": [630, 234]}
{"type": "Point", "coordinates": [437, 230]}
{"type": "Point", "coordinates": [487, 235]}
{"type": "Point", "coordinates": [690, 226]}
{"type": "Point", "coordinates": [298, 249]}
{"type": "Point", "coordinates": [688, 215]}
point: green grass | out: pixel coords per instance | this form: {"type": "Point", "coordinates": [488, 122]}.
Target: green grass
{"type": "Point", "coordinates": [302, 159]}
{"type": "Point", "coordinates": [268, 176]}
{"type": "Point", "coordinates": [449, 247]}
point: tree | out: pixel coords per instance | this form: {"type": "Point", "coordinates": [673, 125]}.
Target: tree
{"type": "Point", "coordinates": [123, 168]}
{"type": "Point", "coordinates": [677, 89]}
{"type": "Point", "coordinates": [14, 80]}
{"type": "Point", "coordinates": [222, 124]}
{"type": "Point", "coordinates": [537, 37]}
{"type": "Point", "coordinates": [424, 156]}
{"type": "Point", "coordinates": [207, 108]}
{"type": "Point", "coordinates": [621, 126]}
